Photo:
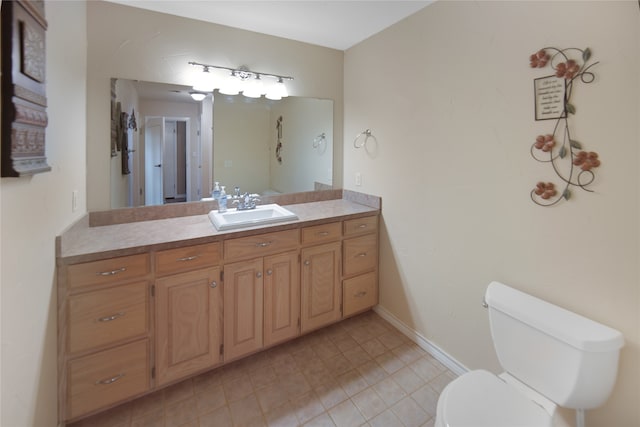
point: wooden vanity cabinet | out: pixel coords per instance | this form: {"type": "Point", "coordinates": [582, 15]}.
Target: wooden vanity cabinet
{"type": "Point", "coordinates": [320, 276]}
{"type": "Point", "coordinates": [104, 334]}
{"type": "Point", "coordinates": [188, 311]}
{"type": "Point", "coordinates": [261, 297]}
{"type": "Point", "coordinates": [132, 324]}
{"type": "Point", "coordinates": [360, 265]}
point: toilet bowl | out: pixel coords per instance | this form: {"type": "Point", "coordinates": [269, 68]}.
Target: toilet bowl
{"type": "Point", "coordinates": [552, 358]}
{"type": "Point", "coordinates": [482, 399]}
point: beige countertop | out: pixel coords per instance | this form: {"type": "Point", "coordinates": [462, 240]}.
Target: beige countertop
{"type": "Point", "coordinates": [82, 243]}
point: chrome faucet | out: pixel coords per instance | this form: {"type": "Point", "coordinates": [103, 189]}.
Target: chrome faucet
{"type": "Point", "coordinates": [246, 201]}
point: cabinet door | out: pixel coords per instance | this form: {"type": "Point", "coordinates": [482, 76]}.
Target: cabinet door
{"type": "Point", "coordinates": [188, 323]}
{"type": "Point", "coordinates": [281, 298]}
{"type": "Point", "coordinates": [243, 308]}
{"type": "Point", "coordinates": [321, 294]}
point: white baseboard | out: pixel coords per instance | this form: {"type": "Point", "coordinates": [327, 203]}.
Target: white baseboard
{"type": "Point", "coordinates": [440, 355]}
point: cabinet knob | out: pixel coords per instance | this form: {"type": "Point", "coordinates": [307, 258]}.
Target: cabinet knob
{"type": "Point", "coordinates": [214, 284]}
{"type": "Point", "coordinates": [269, 272]}
{"type": "Point", "coordinates": [259, 274]}
{"type": "Point", "coordinates": [307, 262]}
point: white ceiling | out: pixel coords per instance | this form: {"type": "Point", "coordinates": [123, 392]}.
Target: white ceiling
{"type": "Point", "coordinates": [335, 24]}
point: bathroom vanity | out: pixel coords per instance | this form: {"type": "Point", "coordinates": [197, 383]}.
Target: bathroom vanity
{"type": "Point", "coordinates": [145, 304]}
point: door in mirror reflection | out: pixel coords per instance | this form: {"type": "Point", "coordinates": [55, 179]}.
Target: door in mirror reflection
{"type": "Point", "coordinates": [166, 142]}
{"type": "Point", "coordinates": [154, 135]}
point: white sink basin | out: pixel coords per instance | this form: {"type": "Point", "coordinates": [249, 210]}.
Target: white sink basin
{"type": "Point", "coordinates": [262, 214]}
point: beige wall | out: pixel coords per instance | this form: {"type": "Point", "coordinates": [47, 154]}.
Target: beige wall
{"type": "Point", "coordinates": [302, 165]}
{"type": "Point", "coordinates": [241, 139]}
{"type": "Point", "coordinates": [449, 95]}
{"type": "Point", "coordinates": [137, 44]}
{"type": "Point", "coordinates": [33, 210]}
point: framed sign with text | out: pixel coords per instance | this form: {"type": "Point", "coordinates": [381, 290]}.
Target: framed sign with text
{"type": "Point", "coordinates": [549, 97]}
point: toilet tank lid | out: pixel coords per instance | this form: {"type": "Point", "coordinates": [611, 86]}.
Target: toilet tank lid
{"type": "Point", "coordinates": [574, 329]}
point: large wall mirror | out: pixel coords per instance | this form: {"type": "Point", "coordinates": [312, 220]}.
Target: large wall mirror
{"type": "Point", "coordinates": [172, 148]}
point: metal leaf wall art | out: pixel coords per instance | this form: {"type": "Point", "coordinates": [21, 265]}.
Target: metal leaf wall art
{"type": "Point", "coordinates": [573, 165]}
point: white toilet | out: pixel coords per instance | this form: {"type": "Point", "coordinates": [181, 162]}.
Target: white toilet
{"type": "Point", "coordinates": [551, 357]}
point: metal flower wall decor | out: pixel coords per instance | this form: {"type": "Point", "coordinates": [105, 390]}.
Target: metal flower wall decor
{"type": "Point", "coordinates": [573, 165]}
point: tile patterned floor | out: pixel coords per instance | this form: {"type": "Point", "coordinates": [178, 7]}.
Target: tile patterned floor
{"type": "Point", "coordinates": [359, 372]}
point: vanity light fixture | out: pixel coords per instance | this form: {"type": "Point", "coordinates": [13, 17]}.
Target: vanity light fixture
{"type": "Point", "coordinates": [241, 79]}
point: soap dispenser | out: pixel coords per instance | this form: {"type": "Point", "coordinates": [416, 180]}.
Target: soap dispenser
{"type": "Point", "coordinates": [222, 201]}
{"type": "Point", "coordinates": [216, 191]}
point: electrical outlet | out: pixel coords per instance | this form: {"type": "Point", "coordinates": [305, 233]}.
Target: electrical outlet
{"type": "Point", "coordinates": [358, 179]}
{"type": "Point", "coordinates": [74, 200]}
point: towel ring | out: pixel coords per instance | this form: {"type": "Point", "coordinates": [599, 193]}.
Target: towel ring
{"type": "Point", "coordinates": [367, 134]}
{"type": "Point", "coordinates": [319, 140]}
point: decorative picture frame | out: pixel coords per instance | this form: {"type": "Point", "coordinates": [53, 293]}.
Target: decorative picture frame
{"type": "Point", "coordinates": [572, 164]}
{"type": "Point", "coordinates": [24, 101]}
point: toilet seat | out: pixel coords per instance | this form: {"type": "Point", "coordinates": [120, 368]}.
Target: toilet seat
{"type": "Point", "coordinates": [481, 399]}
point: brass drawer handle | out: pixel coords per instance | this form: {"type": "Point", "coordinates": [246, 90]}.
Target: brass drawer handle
{"type": "Point", "coordinates": [188, 258]}
{"type": "Point", "coordinates": [112, 272]}
{"type": "Point", "coordinates": [263, 244]}
{"type": "Point", "coordinates": [361, 254]}
{"type": "Point", "coordinates": [360, 294]}
{"type": "Point", "coordinates": [323, 233]}
{"type": "Point", "coordinates": [110, 380]}
{"type": "Point", "coordinates": [112, 317]}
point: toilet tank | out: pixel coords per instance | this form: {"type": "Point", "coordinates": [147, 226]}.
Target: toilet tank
{"type": "Point", "coordinates": [569, 359]}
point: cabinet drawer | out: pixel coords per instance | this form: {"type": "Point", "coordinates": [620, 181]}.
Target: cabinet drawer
{"type": "Point", "coordinates": [107, 377]}
{"type": "Point", "coordinates": [107, 316]}
{"type": "Point", "coordinates": [179, 260]}
{"type": "Point", "coordinates": [108, 270]}
{"type": "Point", "coordinates": [360, 254]}
{"type": "Point", "coordinates": [354, 227]}
{"type": "Point", "coordinates": [360, 293]}
{"type": "Point", "coordinates": [321, 233]}
{"type": "Point", "coordinates": [262, 244]}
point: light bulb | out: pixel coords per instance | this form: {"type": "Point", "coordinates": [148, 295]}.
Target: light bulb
{"type": "Point", "coordinates": [205, 81]}
{"type": "Point", "coordinates": [230, 86]}
{"type": "Point", "coordinates": [277, 91]}
{"type": "Point", "coordinates": [254, 88]}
